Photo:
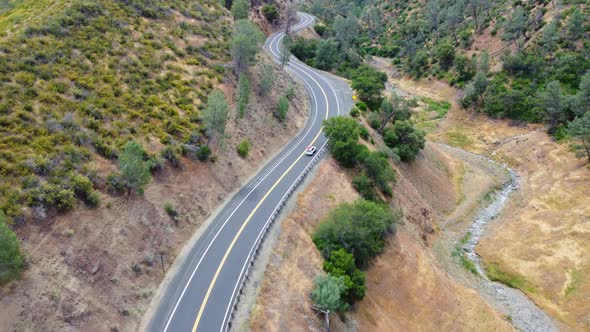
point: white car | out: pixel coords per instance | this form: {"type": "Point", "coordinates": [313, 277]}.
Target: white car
{"type": "Point", "coordinates": [310, 151]}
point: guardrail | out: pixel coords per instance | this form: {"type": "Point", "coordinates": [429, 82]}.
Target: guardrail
{"type": "Point", "coordinates": [256, 248]}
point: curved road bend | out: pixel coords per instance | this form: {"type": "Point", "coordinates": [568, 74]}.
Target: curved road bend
{"type": "Point", "coordinates": [200, 296]}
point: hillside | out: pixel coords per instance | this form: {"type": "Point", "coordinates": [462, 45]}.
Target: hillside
{"type": "Point", "coordinates": [81, 78]}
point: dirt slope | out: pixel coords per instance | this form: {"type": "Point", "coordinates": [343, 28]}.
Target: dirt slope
{"type": "Point", "coordinates": [96, 270]}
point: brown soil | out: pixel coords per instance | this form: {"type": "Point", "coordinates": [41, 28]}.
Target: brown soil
{"type": "Point", "coordinates": [96, 270]}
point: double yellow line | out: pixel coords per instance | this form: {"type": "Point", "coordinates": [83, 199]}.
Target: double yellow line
{"type": "Point", "coordinates": [235, 239]}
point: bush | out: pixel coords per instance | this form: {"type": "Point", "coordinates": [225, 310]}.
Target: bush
{"type": "Point", "coordinates": [364, 133]}
{"type": "Point", "coordinates": [270, 12]}
{"type": "Point", "coordinates": [374, 120]}
{"type": "Point", "coordinates": [369, 83]}
{"type": "Point", "coordinates": [362, 106]}
{"type": "Point", "coordinates": [92, 200]}
{"type": "Point", "coordinates": [359, 228]}
{"type": "Point", "coordinates": [52, 196]}
{"type": "Point", "coordinates": [170, 211]}
{"type": "Point", "coordinates": [378, 169]}
{"type": "Point", "coordinates": [343, 133]}
{"type": "Point", "coordinates": [320, 29]}
{"type": "Point", "coordinates": [406, 140]}
{"type": "Point", "coordinates": [115, 183]}
{"type": "Point", "coordinates": [203, 153]}
{"type": "Point", "coordinates": [282, 108]}
{"type": "Point", "coordinates": [354, 112]}
{"type": "Point", "coordinates": [11, 261]}
{"type": "Point", "coordinates": [327, 293]}
{"type": "Point", "coordinates": [82, 186]}
{"type": "Point", "coordinates": [365, 187]}
{"type": "Point", "coordinates": [243, 148]}
{"type": "Point", "coordinates": [171, 154]}
{"type": "Point", "coordinates": [341, 264]}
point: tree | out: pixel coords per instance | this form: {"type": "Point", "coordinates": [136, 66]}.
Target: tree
{"type": "Point", "coordinates": [433, 13]}
{"type": "Point", "coordinates": [270, 12]}
{"type": "Point", "coordinates": [445, 54]}
{"type": "Point", "coordinates": [282, 108]}
{"type": "Point", "coordinates": [341, 264]}
{"type": "Point", "coordinates": [346, 29]}
{"type": "Point", "coordinates": [243, 94]}
{"type": "Point", "coordinates": [215, 115]}
{"type": "Point", "coordinates": [326, 56]}
{"type": "Point", "coordinates": [551, 102]}
{"type": "Point", "coordinates": [343, 133]}
{"type": "Point", "coordinates": [135, 171]}
{"type": "Point", "coordinates": [580, 128]}
{"type": "Point", "coordinates": [474, 92]}
{"type": "Point", "coordinates": [515, 26]}
{"type": "Point", "coordinates": [550, 37]}
{"type": "Point", "coordinates": [405, 140]}
{"type": "Point", "coordinates": [358, 228]}
{"type": "Point", "coordinates": [267, 78]}
{"type": "Point", "coordinates": [11, 261]}
{"type": "Point", "coordinates": [369, 83]}
{"type": "Point", "coordinates": [575, 25]}
{"type": "Point", "coordinates": [285, 49]}
{"type": "Point", "coordinates": [326, 295]}
{"type": "Point", "coordinates": [389, 108]}
{"type": "Point", "coordinates": [245, 43]}
{"type": "Point", "coordinates": [240, 9]}
{"type": "Point", "coordinates": [484, 62]}
{"type": "Point", "coordinates": [581, 101]}
{"type": "Point", "coordinates": [454, 15]}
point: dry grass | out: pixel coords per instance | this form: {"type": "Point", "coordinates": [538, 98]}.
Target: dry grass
{"type": "Point", "coordinates": [543, 235]}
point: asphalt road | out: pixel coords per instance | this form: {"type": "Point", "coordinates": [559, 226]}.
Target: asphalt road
{"type": "Point", "coordinates": [201, 294]}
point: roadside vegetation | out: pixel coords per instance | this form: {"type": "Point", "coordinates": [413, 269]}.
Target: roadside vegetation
{"type": "Point", "coordinates": [539, 70]}
{"type": "Point", "coordinates": [130, 87]}
{"type": "Point", "coordinates": [348, 239]}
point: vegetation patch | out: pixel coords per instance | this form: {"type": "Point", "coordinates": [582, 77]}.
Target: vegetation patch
{"type": "Point", "coordinates": [495, 273]}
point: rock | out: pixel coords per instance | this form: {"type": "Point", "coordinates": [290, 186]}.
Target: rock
{"type": "Point", "coordinates": [69, 256]}
{"type": "Point", "coordinates": [96, 267]}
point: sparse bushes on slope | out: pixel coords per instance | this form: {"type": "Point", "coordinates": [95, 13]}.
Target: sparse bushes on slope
{"type": "Point", "coordinates": [243, 148]}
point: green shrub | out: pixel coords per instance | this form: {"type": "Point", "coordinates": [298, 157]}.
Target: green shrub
{"type": "Point", "coordinates": [82, 186]}
{"type": "Point", "coordinates": [52, 196]}
{"type": "Point", "coordinates": [11, 260]}
{"type": "Point", "coordinates": [115, 183]}
{"type": "Point", "coordinates": [365, 187]}
{"type": "Point", "coordinates": [354, 112]}
{"type": "Point", "coordinates": [170, 210]}
{"type": "Point", "coordinates": [170, 153]}
{"type": "Point", "coordinates": [406, 140]}
{"type": "Point", "coordinates": [374, 120]}
{"type": "Point", "coordinates": [270, 12]}
{"type": "Point", "coordinates": [341, 264]}
{"type": "Point", "coordinates": [378, 169]}
{"type": "Point", "coordinates": [92, 200]}
{"type": "Point", "coordinates": [343, 133]}
{"type": "Point", "coordinates": [203, 153]}
{"type": "Point", "coordinates": [327, 293]}
{"type": "Point", "coordinates": [359, 228]}
{"type": "Point", "coordinates": [282, 108]}
{"type": "Point", "coordinates": [243, 148]}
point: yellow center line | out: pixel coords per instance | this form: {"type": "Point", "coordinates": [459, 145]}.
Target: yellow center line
{"type": "Point", "coordinates": [233, 242]}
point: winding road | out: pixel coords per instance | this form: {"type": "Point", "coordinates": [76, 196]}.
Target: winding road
{"type": "Point", "coordinates": [202, 293]}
